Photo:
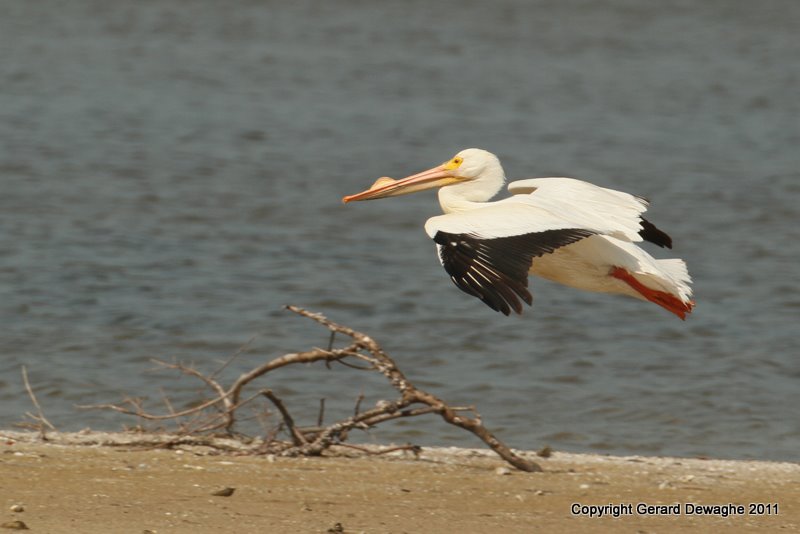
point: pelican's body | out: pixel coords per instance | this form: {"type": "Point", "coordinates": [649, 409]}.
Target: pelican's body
{"type": "Point", "coordinates": [562, 229]}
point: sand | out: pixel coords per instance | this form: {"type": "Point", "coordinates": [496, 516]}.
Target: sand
{"type": "Point", "coordinates": [83, 483]}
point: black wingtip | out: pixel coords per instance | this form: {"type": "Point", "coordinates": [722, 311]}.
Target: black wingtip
{"type": "Point", "coordinates": [650, 233]}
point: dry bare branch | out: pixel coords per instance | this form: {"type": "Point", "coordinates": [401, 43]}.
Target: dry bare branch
{"type": "Point", "coordinates": [321, 413]}
{"type": "Point", "coordinates": [219, 412]}
{"type": "Point", "coordinates": [41, 420]}
{"type": "Point", "coordinates": [235, 355]}
{"type": "Point", "coordinates": [297, 437]}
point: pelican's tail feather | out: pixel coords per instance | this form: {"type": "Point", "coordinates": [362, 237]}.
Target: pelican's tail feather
{"type": "Point", "coordinates": [678, 274]}
{"type": "Point", "coordinates": [673, 293]}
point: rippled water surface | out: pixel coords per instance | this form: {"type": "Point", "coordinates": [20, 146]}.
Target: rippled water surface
{"type": "Point", "coordinates": [171, 175]}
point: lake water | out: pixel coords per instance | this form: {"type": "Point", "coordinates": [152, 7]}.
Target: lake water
{"type": "Point", "coordinates": [171, 176]}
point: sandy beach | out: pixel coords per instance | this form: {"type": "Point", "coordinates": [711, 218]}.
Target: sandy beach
{"type": "Point", "coordinates": [93, 482]}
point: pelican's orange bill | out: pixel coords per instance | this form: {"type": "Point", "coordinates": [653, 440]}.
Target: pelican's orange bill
{"type": "Point", "coordinates": [380, 184]}
{"type": "Point", "coordinates": [389, 187]}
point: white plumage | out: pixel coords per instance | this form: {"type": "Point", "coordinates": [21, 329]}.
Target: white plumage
{"type": "Point", "coordinates": [562, 229]}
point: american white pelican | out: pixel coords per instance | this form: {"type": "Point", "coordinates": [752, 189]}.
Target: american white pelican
{"type": "Point", "coordinates": [562, 229]}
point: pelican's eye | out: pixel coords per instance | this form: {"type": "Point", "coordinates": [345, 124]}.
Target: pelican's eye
{"type": "Point", "coordinates": [454, 163]}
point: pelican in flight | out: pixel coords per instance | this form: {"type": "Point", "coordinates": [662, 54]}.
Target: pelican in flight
{"type": "Point", "coordinates": [562, 229]}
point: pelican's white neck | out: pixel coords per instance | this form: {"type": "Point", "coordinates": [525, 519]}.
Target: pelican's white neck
{"type": "Point", "coordinates": [451, 200]}
{"type": "Point", "coordinates": [480, 186]}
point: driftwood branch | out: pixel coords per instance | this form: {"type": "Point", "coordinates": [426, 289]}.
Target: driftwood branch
{"type": "Point", "coordinates": [362, 353]}
{"type": "Point", "coordinates": [297, 437]}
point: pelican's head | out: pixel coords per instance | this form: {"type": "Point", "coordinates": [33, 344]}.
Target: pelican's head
{"type": "Point", "coordinates": [473, 174]}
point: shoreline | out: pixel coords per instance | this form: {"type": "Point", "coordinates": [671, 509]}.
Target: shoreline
{"type": "Point", "coordinates": [101, 482]}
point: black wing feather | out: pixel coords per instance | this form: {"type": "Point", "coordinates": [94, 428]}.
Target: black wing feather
{"type": "Point", "coordinates": [496, 270]}
{"type": "Point", "coordinates": [650, 233]}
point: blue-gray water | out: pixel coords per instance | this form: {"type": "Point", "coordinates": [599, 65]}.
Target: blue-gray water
{"type": "Point", "coordinates": [171, 175]}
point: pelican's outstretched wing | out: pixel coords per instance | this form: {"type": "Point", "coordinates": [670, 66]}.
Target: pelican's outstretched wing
{"type": "Point", "coordinates": [487, 251]}
{"type": "Point", "coordinates": [616, 212]}
{"type": "Point", "coordinates": [496, 270]}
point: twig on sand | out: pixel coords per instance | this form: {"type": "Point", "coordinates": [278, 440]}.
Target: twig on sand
{"type": "Point", "coordinates": [41, 420]}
